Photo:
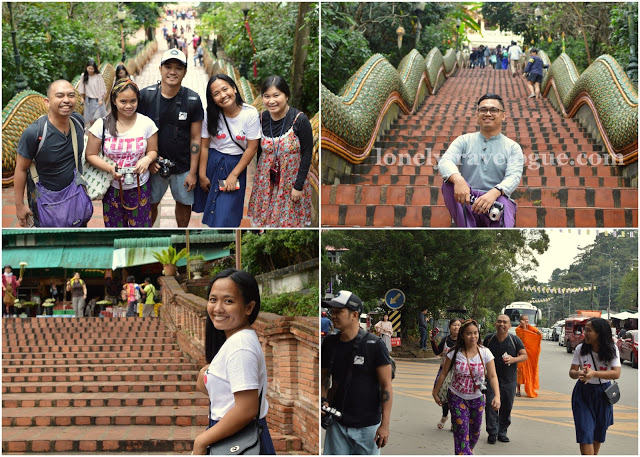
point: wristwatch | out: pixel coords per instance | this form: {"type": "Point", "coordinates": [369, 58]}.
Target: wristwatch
{"type": "Point", "coordinates": [500, 189]}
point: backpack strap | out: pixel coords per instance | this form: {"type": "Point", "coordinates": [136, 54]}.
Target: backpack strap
{"type": "Point", "coordinates": [42, 135]}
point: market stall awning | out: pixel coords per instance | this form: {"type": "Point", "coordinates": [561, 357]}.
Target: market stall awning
{"type": "Point", "coordinates": [625, 315]}
{"type": "Point", "coordinates": [42, 257]}
{"type": "Point", "coordinates": [129, 257]}
{"type": "Point", "coordinates": [77, 257]}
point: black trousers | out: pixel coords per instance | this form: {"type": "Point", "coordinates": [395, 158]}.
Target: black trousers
{"type": "Point", "coordinates": [498, 421]}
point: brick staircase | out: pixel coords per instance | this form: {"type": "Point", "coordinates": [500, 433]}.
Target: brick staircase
{"type": "Point", "coordinates": [100, 385]}
{"type": "Point", "coordinates": [394, 187]}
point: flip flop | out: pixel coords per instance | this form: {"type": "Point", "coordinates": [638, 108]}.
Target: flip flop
{"type": "Point", "coordinates": [518, 394]}
{"type": "Point", "coordinates": [441, 423]}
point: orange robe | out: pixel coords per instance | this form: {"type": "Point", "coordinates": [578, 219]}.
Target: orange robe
{"type": "Point", "coordinates": [528, 370]}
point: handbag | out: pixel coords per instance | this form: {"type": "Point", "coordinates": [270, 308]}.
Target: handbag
{"type": "Point", "coordinates": [98, 181]}
{"type": "Point", "coordinates": [613, 391]}
{"type": "Point", "coordinates": [443, 393]}
{"type": "Point", "coordinates": [247, 441]}
{"type": "Point", "coordinates": [69, 207]}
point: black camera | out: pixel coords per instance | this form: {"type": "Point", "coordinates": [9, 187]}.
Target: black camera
{"type": "Point", "coordinates": [481, 386]}
{"type": "Point", "coordinates": [495, 212]}
{"type": "Point", "coordinates": [330, 415]}
{"type": "Point", "coordinates": [165, 165]}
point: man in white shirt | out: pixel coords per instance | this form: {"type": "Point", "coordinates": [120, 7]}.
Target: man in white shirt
{"type": "Point", "coordinates": [514, 57]}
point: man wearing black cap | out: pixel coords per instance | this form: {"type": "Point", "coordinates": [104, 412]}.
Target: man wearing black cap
{"type": "Point", "coordinates": [356, 381]}
{"type": "Point", "coordinates": [177, 112]}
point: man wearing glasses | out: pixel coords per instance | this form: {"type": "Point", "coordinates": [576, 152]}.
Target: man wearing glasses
{"type": "Point", "coordinates": [481, 170]}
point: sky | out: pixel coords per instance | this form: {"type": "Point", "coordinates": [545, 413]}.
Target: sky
{"type": "Point", "coordinates": [563, 247]}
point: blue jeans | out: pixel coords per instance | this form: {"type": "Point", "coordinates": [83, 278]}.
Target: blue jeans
{"type": "Point", "coordinates": [423, 337]}
{"type": "Point", "coordinates": [341, 440]}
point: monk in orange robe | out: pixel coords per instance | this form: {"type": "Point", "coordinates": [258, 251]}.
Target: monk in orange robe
{"type": "Point", "coordinates": [528, 370]}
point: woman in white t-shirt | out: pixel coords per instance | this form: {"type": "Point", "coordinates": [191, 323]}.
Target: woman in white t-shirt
{"type": "Point", "coordinates": [230, 137]}
{"type": "Point", "coordinates": [236, 378]}
{"type": "Point", "coordinates": [595, 360]}
{"type": "Point", "coordinates": [472, 367]}
{"type": "Point", "coordinates": [131, 143]}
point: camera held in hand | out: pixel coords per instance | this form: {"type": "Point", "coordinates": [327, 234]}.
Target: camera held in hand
{"type": "Point", "coordinates": [330, 415]}
{"type": "Point", "coordinates": [165, 167]}
{"type": "Point", "coordinates": [495, 212]}
{"type": "Point", "coordinates": [129, 174]}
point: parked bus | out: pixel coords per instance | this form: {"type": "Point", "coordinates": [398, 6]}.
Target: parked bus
{"type": "Point", "coordinates": [519, 308]}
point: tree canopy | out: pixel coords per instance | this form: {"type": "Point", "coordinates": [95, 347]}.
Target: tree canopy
{"type": "Point", "coordinates": [56, 39]}
{"type": "Point", "coordinates": [436, 269]}
{"type": "Point", "coordinates": [274, 249]}
{"type": "Point", "coordinates": [273, 29]}
{"type": "Point", "coordinates": [604, 26]}
{"type": "Point", "coordinates": [352, 32]}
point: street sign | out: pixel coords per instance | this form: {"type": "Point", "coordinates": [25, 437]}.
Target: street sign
{"type": "Point", "coordinates": [394, 299]}
{"type": "Point", "coordinates": [394, 318]}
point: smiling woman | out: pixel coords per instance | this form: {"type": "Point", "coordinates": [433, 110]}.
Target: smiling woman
{"type": "Point", "coordinates": [236, 378]}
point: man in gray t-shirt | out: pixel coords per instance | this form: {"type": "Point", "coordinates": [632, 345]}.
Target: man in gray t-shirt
{"type": "Point", "coordinates": [55, 160]}
{"type": "Point", "coordinates": [508, 350]}
{"type": "Point", "coordinates": [485, 166]}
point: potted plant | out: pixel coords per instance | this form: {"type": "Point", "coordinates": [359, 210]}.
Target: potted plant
{"type": "Point", "coordinates": [196, 265]}
{"type": "Point", "coordinates": [169, 258]}
{"type": "Point", "coordinates": [48, 304]}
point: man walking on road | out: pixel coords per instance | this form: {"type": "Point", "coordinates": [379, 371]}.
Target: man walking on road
{"type": "Point", "coordinates": [422, 327]}
{"type": "Point", "coordinates": [508, 351]}
{"type": "Point", "coordinates": [356, 381]}
{"type": "Point", "coordinates": [177, 112]}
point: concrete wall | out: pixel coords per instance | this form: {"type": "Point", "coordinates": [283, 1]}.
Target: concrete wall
{"type": "Point", "coordinates": [289, 279]}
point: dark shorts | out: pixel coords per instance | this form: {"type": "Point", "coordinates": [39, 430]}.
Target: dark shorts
{"type": "Point", "coordinates": [534, 78]}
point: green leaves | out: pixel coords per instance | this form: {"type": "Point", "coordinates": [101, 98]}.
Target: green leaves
{"type": "Point", "coordinates": [169, 256]}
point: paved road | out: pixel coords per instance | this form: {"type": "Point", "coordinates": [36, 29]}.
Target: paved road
{"type": "Point", "coordinates": [540, 426]}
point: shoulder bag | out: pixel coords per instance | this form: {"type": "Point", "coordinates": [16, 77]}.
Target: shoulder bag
{"type": "Point", "coordinates": [98, 181]}
{"type": "Point", "coordinates": [613, 391]}
{"type": "Point", "coordinates": [247, 441]}
{"type": "Point", "coordinates": [443, 393]}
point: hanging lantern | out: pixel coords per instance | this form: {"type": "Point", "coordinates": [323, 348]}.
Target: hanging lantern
{"type": "Point", "coordinates": [400, 33]}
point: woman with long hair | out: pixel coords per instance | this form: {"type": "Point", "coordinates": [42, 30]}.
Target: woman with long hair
{"type": "Point", "coordinates": [446, 344]}
{"type": "Point", "coordinates": [230, 137]}
{"type": "Point", "coordinates": [93, 91]}
{"type": "Point", "coordinates": [130, 140]}
{"type": "Point", "coordinates": [281, 193]}
{"type": "Point", "coordinates": [595, 363]}
{"type": "Point", "coordinates": [236, 378]}
{"type": "Point", "coordinates": [472, 364]}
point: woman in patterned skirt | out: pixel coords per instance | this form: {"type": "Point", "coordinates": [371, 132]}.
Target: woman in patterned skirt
{"type": "Point", "coordinates": [281, 194]}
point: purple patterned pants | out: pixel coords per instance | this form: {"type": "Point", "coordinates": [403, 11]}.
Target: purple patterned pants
{"type": "Point", "coordinates": [115, 215]}
{"type": "Point", "coordinates": [458, 212]}
{"type": "Point", "coordinates": [466, 417]}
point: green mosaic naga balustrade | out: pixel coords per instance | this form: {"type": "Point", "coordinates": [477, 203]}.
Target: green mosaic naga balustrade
{"type": "Point", "coordinates": [27, 106]}
{"type": "Point", "coordinates": [352, 119]}
{"type": "Point", "coordinates": [610, 95]}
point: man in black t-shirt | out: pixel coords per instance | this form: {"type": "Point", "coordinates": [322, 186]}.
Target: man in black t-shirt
{"type": "Point", "coordinates": [55, 162]}
{"type": "Point", "coordinates": [177, 112]}
{"type": "Point", "coordinates": [356, 380]}
{"type": "Point", "coordinates": [508, 351]}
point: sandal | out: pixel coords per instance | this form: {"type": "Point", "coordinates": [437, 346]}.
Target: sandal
{"type": "Point", "coordinates": [518, 394]}
{"type": "Point", "coordinates": [441, 423]}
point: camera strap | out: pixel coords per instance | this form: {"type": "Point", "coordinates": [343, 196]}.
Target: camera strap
{"type": "Point", "coordinates": [484, 369]}
{"type": "Point", "coordinates": [180, 97]}
{"type": "Point", "coordinates": [231, 134]}
{"type": "Point", "coordinates": [122, 195]}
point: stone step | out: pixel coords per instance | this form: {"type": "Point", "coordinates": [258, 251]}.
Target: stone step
{"type": "Point", "coordinates": [76, 341]}
{"type": "Point", "coordinates": [171, 366]}
{"type": "Point", "coordinates": [97, 386]}
{"type": "Point", "coordinates": [107, 376]}
{"type": "Point", "coordinates": [104, 399]}
{"type": "Point", "coordinates": [105, 362]}
{"type": "Point", "coordinates": [88, 355]}
{"type": "Point", "coordinates": [438, 216]}
{"type": "Point", "coordinates": [150, 439]}
{"type": "Point", "coordinates": [37, 335]}
{"type": "Point", "coordinates": [184, 416]}
{"type": "Point", "coordinates": [95, 348]}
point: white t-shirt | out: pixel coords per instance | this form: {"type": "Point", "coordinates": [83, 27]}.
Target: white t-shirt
{"type": "Point", "coordinates": [238, 366]}
{"type": "Point", "coordinates": [245, 126]}
{"type": "Point", "coordinates": [514, 52]}
{"type": "Point", "coordinates": [586, 361]}
{"type": "Point", "coordinates": [462, 384]}
{"type": "Point", "coordinates": [127, 148]}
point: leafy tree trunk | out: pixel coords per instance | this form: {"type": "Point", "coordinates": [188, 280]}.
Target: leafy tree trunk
{"type": "Point", "coordinates": [301, 41]}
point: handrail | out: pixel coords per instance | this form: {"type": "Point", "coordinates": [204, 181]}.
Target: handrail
{"type": "Point", "coordinates": [352, 119]}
